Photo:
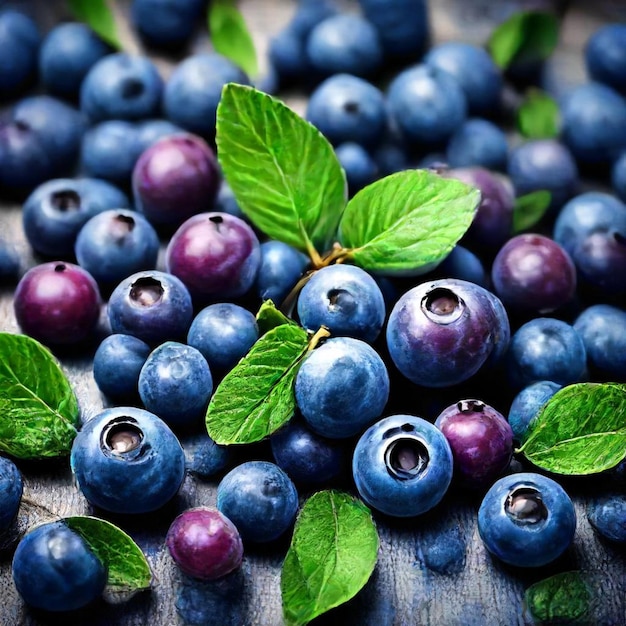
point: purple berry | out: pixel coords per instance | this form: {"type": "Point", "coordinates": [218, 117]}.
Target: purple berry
{"type": "Point", "coordinates": [204, 543]}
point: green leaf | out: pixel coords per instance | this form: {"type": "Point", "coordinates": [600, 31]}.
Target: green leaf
{"type": "Point", "coordinates": [407, 221]}
{"type": "Point", "coordinates": [527, 35]}
{"type": "Point", "coordinates": [99, 17]}
{"type": "Point", "coordinates": [333, 553]}
{"type": "Point", "coordinates": [230, 35]}
{"type": "Point", "coordinates": [538, 117]}
{"type": "Point", "coordinates": [529, 209]}
{"type": "Point", "coordinates": [127, 567]}
{"type": "Point", "coordinates": [256, 397]}
{"type": "Point", "coordinates": [580, 430]}
{"type": "Point", "coordinates": [268, 317]}
{"type": "Point", "coordinates": [282, 170]}
{"type": "Point", "coordinates": [38, 408]}
{"type": "Point", "coordinates": [560, 599]}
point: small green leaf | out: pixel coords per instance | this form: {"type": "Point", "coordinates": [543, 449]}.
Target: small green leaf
{"type": "Point", "coordinates": [407, 221]}
{"type": "Point", "coordinates": [529, 209]}
{"type": "Point", "coordinates": [333, 552]}
{"type": "Point", "coordinates": [538, 117]}
{"type": "Point", "coordinates": [560, 599]}
{"type": "Point", "coordinates": [268, 317]}
{"type": "Point", "coordinates": [230, 35]}
{"type": "Point", "coordinates": [580, 430]}
{"type": "Point", "coordinates": [282, 170]}
{"type": "Point", "coordinates": [531, 35]}
{"type": "Point", "coordinates": [38, 408]}
{"type": "Point", "coordinates": [99, 17]}
{"type": "Point", "coordinates": [127, 567]}
{"type": "Point", "coordinates": [256, 397]}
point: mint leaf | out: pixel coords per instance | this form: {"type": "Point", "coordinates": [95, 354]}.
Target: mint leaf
{"type": "Point", "coordinates": [538, 116]}
{"type": "Point", "coordinates": [230, 35]}
{"type": "Point", "coordinates": [560, 599]}
{"type": "Point", "coordinates": [256, 397]}
{"type": "Point", "coordinates": [38, 408]}
{"type": "Point", "coordinates": [268, 317]}
{"type": "Point", "coordinates": [99, 17]}
{"type": "Point", "coordinates": [580, 430]}
{"type": "Point", "coordinates": [529, 209]}
{"type": "Point", "coordinates": [127, 567]}
{"type": "Point", "coordinates": [282, 170]}
{"type": "Point", "coordinates": [333, 553]}
{"type": "Point", "coordinates": [525, 35]}
{"type": "Point", "coordinates": [406, 221]}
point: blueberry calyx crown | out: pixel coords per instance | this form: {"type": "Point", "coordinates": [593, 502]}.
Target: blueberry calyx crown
{"type": "Point", "coordinates": [146, 291]}
{"type": "Point", "coordinates": [442, 306]}
{"type": "Point", "coordinates": [525, 506]}
{"type": "Point", "coordinates": [65, 200]}
{"type": "Point", "coordinates": [406, 455]}
{"type": "Point", "coordinates": [122, 437]}
{"type": "Point", "coordinates": [470, 406]}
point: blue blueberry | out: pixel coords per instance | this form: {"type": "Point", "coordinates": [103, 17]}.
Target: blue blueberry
{"type": "Point", "coordinates": [527, 404]}
{"type": "Point", "coordinates": [348, 108]}
{"type": "Point", "coordinates": [117, 363]}
{"type": "Point", "coordinates": [605, 55]}
{"type": "Point", "coordinates": [618, 176]}
{"type": "Point", "coordinates": [67, 53]}
{"type": "Point", "coordinates": [480, 143]}
{"type": "Point", "coordinates": [55, 570]}
{"type": "Point", "coordinates": [607, 515]}
{"type": "Point", "coordinates": [345, 299]}
{"type": "Point", "coordinates": [194, 88]}
{"type": "Point", "coordinates": [326, 382]}
{"type": "Point", "coordinates": [204, 457]}
{"type": "Point", "coordinates": [223, 333]}
{"type": "Point", "coordinates": [287, 56]}
{"type": "Point", "coordinates": [546, 348]}
{"type": "Point", "coordinates": [151, 130]}
{"type": "Point", "coordinates": [359, 166]}
{"type": "Point", "coordinates": [176, 384]}
{"type": "Point", "coordinates": [11, 489]}
{"type": "Point", "coordinates": [526, 520]}
{"type": "Point", "coordinates": [9, 262]}
{"type": "Point", "coordinates": [602, 328]}
{"type": "Point", "coordinates": [463, 264]}
{"type": "Point", "coordinates": [56, 210]}
{"type": "Point", "coordinates": [152, 305]}
{"type": "Point", "coordinates": [121, 86]}
{"type": "Point", "coordinates": [475, 71]}
{"type": "Point", "coordinates": [20, 42]}
{"type": "Point", "coordinates": [127, 460]}
{"type": "Point", "coordinates": [402, 465]}
{"type": "Point", "coordinates": [260, 499]}
{"type": "Point", "coordinates": [309, 13]}
{"type": "Point", "coordinates": [115, 244]}
{"type": "Point", "coordinates": [226, 202]}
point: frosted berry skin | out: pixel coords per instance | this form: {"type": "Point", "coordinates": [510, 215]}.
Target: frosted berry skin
{"type": "Point", "coordinates": [54, 569]}
{"type": "Point", "coordinates": [216, 255]}
{"type": "Point", "coordinates": [57, 303]}
{"type": "Point", "coordinates": [174, 178]}
{"type": "Point", "coordinates": [527, 404]}
{"type": "Point", "coordinates": [402, 465]}
{"type": "Point", "coordinates": [11, 489]}
{"type": "Point", "coordinates": [526, 520]}
{"type": "Point", "coordinates": [127, 460]}
{"type": "Point", "coordinates": [607, 515]}
{"type": "Point", "coordinates": [532, 273]}
{"type": "Point", "coordinates": [204, 543]}
{"type": "Point", "coordinates": [481, 440]}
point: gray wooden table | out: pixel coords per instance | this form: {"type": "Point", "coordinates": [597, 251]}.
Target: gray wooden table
{"type": "Point", "coordinates": [411, 585]}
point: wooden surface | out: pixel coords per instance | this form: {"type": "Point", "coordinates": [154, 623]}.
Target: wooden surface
{"type": "Point", "coordinates": [411, 584]}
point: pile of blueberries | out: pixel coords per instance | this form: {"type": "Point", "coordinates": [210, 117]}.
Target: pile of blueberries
{"type": "Point", "coordinates": [143, 256]}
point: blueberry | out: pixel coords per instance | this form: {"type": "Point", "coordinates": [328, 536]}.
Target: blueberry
{"type": "Point", "coordinates": [151, 130]}
{"type": "Point", "coordinates": [194, 88]}
{"type": "Point", "coordinates": [9, 263]}
{"type": "Point", "coordinates": [402, 465]}
{"type": "Point", "coordinates": [151, 305]}
{"type": "Point", "coordinates": [56, 210]}
{"type": "Point", "coordinates": [359, 166]}
{"type": "Point", "coordinates": [481, 441]}
{"type": "Point", "coordinates": [223, 333]}
{"type": "Point", "coordinates": [216, 255]}
{"type": "Point", "coordinates": [176, 384]}
{"type": "Point", "coordinates": [11, 489]}
{"type": "Point", "coordinates": [605, 55]}
{"type": "Point", "coordinates": [463, 264]}
{"type": "Point", "coordinates": [55, 570]}
{"type": "Point", "coordinates": [68, 52]}
{"type": "Point", "coordinates": [442, 332]}
{"type": "Point", "coordinates": [345, 299]}
{"type": "Point", "coordinates": [204, 457]}
{"type": "Point", "coordinates": [478, 142]}
{"type": "Point", "coordinates": [309, 13]}
{"type": "Point", "coordinates": [618, 176]}
{"type": "Point", "coordinates": [115, 244]}
{"type": "Point", "coordinates": [20, 41]}
{"type": "Point", "coordinates": [546, 348]}
{"type": "Point", "coordinates": [287, 56]}
{"type": "Point", "coordinates": [121, 86]}
{"type": "Point", "coordinates": [204, 543]}
{"type": "Point", "coordinates": [226, 202]}
{"type": "Point", "coordinates": [527, 403]}
{"type": "Point", "coordinates": [526, 520]}
{"type": "Point", "coordinates": [607, 515]}
{"type": "Point", "coordinates": [57, 303]}
{"type": "Point", "coordinates": [325, 384]}
{"type": "Point", "coordinates": [260, 499]}
{"type": "Point", "coordinates": [126, 460]}
{"type": "Point", "coordinates": [116, 366]}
